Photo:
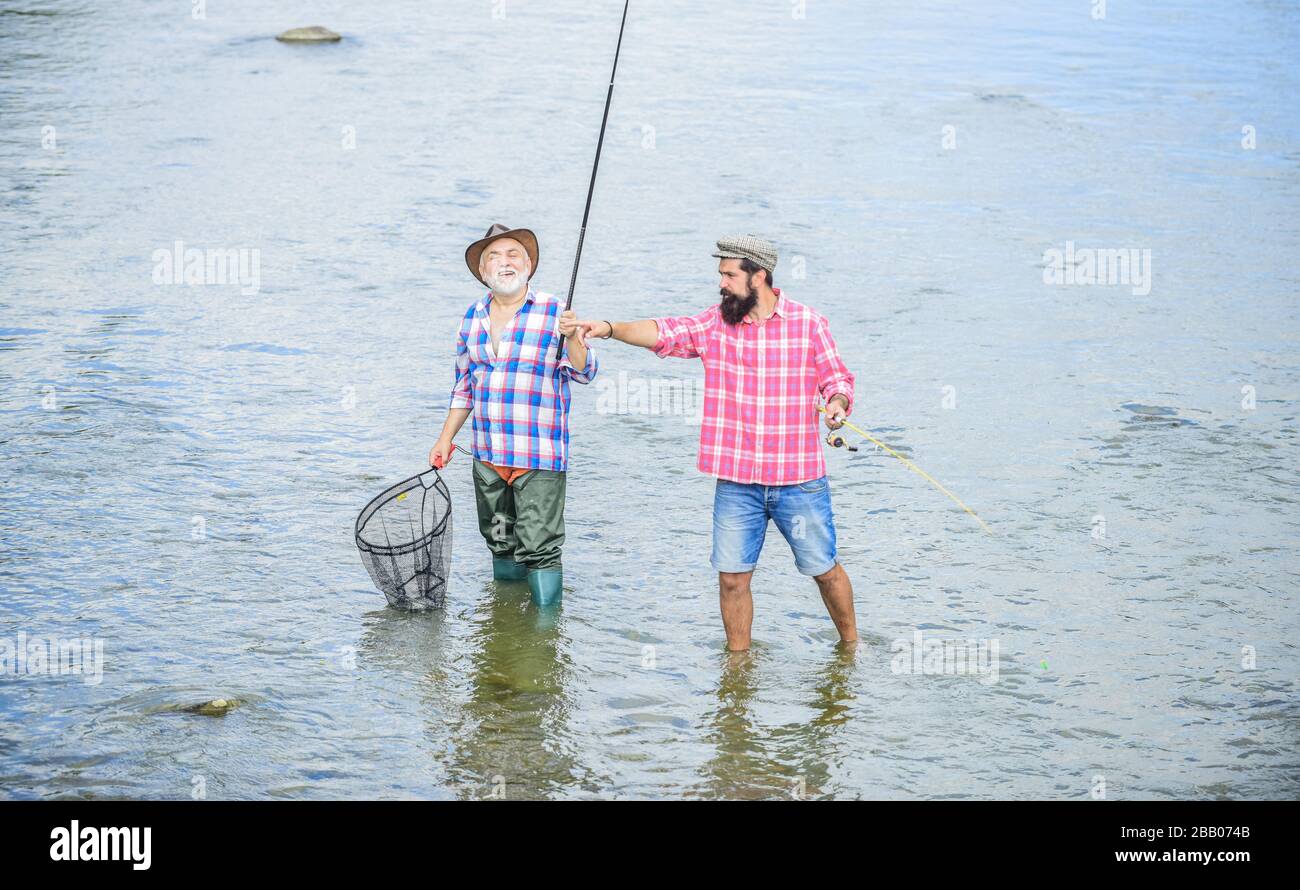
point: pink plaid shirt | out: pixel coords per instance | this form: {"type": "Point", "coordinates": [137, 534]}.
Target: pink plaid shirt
{"type": "Point", "coordinates": [761, 383]}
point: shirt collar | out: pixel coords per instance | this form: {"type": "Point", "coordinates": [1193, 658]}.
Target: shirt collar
{"type": "Point", "coordinates": [529, 297]}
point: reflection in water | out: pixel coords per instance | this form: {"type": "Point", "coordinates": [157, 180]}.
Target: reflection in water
{"type": "Point", "coordinates": [502, 718]}
{"type": "Point", "coordinates": [509, 743]}
{"type": "Point", "coordinates": [793, 759]}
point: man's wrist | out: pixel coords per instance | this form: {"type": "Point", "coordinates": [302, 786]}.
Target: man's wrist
{"type": "Point", "coordinates": [841, 398]}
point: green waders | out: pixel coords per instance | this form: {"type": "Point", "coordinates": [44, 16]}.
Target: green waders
{"type": "Point", "coordinates": [523, 525]}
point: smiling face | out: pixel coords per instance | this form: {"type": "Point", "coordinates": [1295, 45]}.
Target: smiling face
{"type": "Point", "coordinates": [505, 266]}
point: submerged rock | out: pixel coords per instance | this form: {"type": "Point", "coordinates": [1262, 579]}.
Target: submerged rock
{"type": "Point", "coordinates": [314, 34]}
{"type": "Point", "coordinates": [218, 707]}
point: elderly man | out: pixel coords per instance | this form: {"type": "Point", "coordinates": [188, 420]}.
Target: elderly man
{"type": "Point", "coordinates": [767, 359]}
{"type": "Point", "coordinates": [509, 381]}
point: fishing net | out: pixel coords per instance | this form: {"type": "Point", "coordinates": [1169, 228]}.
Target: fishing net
{"type": "Point", "coordinates": [404, 536]}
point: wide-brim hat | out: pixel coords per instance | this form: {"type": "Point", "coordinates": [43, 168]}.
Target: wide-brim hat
{"type": "Point", "coordinates": [523, 236]}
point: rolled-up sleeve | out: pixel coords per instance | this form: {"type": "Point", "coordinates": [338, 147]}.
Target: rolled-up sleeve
{"type": "Point", "coordinates": [588, 372]}
{"type": "Point", "coordinates": [685, 336]}
{"type": "Point", "coordinates": [833, 376]}
{"type": "Point", "coordinates": [461, 394]}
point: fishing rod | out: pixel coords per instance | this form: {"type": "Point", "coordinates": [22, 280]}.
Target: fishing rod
{"type": "Point", "coordinates": [914, 468]}
{"type": "Point", "coordinates": [582, 233]}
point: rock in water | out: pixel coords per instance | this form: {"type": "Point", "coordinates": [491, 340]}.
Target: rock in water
{"type": "Point", "coordinates": [314, 34]}
{"type": "Point", "coordinates": [218, 707]}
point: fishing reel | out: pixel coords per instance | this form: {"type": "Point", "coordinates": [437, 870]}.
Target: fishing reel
{"type": "Point", "coordinates": [836, 440]}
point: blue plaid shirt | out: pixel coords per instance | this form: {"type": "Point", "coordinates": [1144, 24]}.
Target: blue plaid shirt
{"type": "Point", "coordinates": [519, 399]}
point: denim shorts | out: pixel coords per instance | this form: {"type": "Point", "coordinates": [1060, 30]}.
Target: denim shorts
{"type": "Point", "coordinates": [802, 513]}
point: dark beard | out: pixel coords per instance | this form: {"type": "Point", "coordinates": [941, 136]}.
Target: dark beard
{"type": "Point", "coordinates": [734, 309]}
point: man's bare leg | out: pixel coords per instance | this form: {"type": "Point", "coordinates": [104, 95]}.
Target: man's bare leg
{"type": "Point", "coordinates": [837, 594]}
{"type": "Point", "coordinates": [738, 608]}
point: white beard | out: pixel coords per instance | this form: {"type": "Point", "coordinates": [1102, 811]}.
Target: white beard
{"type": "Point", "coordinates": [508, 286]}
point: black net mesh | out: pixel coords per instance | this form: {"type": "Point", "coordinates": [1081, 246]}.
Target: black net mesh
{"type": "Point", "coordinates": [404, 536]}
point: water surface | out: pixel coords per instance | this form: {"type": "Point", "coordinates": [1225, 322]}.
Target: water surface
{"type": "Point", "coordinates": [182, 465]}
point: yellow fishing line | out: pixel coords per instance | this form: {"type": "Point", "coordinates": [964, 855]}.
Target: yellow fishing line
{"type": "Point", "coordinates": [913, 467]}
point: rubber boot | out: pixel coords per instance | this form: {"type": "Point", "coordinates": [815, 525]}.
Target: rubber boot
{"type": "Point", "coordinates": [546, 586]}
{"type": "Point", "coordinates": [508, 569]}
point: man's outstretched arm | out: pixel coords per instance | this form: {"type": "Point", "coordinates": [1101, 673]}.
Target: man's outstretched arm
{"type": "Point", "coordinates": [639, 333]}
{"type": "Point", "coordinates": [685, 336]}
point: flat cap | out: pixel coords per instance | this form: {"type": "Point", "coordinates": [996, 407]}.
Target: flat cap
{"type": "Point", "coordinates": [748, 247]}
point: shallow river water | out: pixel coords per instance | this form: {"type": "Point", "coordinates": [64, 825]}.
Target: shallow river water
{"type": "Point", "coordinates": [181, 465]}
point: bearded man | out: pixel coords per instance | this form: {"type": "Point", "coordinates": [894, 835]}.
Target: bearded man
{"type": "Point", "coordinates": [769, 365]}
{"type": "Point", "coordinates": [510, 382]}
